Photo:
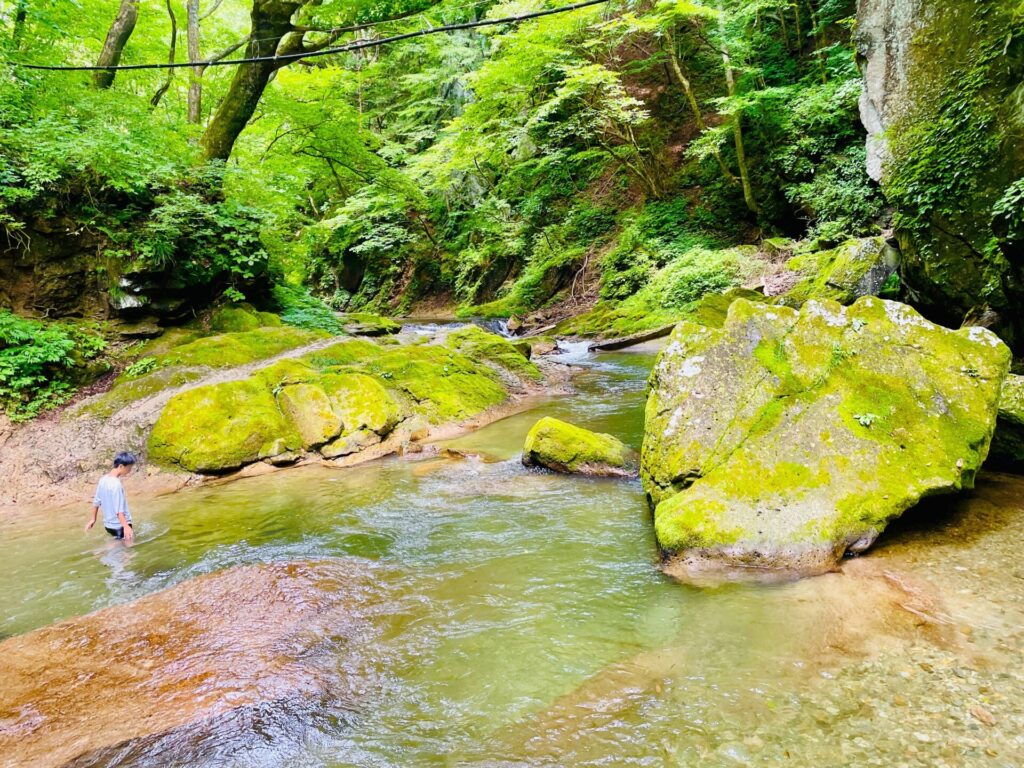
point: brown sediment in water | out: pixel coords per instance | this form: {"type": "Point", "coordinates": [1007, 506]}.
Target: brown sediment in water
{"type": "Point", "coordinates": [861, 611]}
{"type": "Point", "coordinates": [178, 660]}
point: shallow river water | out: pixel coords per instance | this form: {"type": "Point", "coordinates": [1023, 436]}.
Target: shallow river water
{"type": "Point", "coordinates": [520, 618]}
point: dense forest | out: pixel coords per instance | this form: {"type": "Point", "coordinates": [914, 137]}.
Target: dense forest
{"type": "Point", "coordinates": [614, 155]}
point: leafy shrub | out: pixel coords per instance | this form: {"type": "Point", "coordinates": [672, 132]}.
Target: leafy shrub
{"type": "Point", "coordinates": [297, 307]}
{"type": "Point", "coordinates": [141, 367]}
{"type": "Point", "coordinates": [34, 362]}
{"type": "Point", "coordinates": [689, 277]}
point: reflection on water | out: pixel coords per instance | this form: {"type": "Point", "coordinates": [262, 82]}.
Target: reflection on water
{"type": "Point", "coordinates": [523, 621]}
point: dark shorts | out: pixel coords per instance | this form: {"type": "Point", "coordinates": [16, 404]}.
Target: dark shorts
{"type": "Point", "coordinates": [117, 533]}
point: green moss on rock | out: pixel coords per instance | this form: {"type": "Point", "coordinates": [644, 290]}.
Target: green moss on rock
{"type": "Point", "coordinates": [337, 400]}
{"type": "Point", "coordinates": [309, 410]}
{"type": "Point", "coordinates": [567, 448]}
{"type": "Point", "coordinates": [232, 349]}
{"type": "Point", "coordinates": [1008, 443]}
{"type": "Point", "coordinates": [786, 438]}
{"type": "Point", "coordinates": [478, 344]}
{"type": "Point", "coordinates": [439, 383]}
{"type": "Point", "coordinates": [126, 392]}
{"type": "Point", "coordinates": [361, 402]}
{"type": "Point", "coordinates": [366, 324]}
{"type": "Point", "coordinates": [235, 318]}
{"type": "Point", "coordinates": [219, 427]}
{"type": "Point", "coordinates": [854, 269]}
{"type": "Point", "coordinates": [610, 320]}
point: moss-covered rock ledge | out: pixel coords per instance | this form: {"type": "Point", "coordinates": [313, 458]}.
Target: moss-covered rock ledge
{"type": "Point", "coordinates": [337, 401]}
{"type": "Point", "coordinates": [785, 439]}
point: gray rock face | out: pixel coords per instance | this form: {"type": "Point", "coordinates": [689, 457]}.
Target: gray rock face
{"type": "Point", "coordinates": [942, 88]}
{"type": "Point", "coordinates": [884, 31]}
{"type": "Point", "coordinates": [785, 439]}
{"type": "Point", "coordinates": [1008, 442]}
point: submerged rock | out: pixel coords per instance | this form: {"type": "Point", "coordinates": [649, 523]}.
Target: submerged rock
{"type": "Point", "coordinates": [1008, 443]}
{"type": "Point", "coordinates": [94, 689]}
{"type": "Point", "coordinates": [787, 438]}
{"type": "Point", "coordinates": [567, 448]}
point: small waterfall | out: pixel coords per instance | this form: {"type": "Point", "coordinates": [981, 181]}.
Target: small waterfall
{"type": "Point", "coordinates": [572, 352]}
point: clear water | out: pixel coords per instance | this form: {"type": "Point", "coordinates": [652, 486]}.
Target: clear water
{"type": "Point", "coordinates": [528, 624]}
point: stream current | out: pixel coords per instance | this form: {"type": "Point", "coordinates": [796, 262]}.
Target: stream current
{"type": "Point", "coordinates": [520, 618]}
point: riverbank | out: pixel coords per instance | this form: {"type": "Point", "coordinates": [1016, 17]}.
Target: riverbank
{"type": "Point", "coordinates": [437, 392]}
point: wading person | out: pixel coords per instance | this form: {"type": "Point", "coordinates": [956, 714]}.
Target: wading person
{"type": "Point", "coordinates": [110, 497]}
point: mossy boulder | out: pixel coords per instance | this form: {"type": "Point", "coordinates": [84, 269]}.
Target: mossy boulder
{"type": "Point", "coordinates": [227, 350]}
{"type": "Point", "coordinates": [365, 324]}
{"type": "Point", "coordinates": [1008, 443]}
{"type": "Point", "coordinates": [478, 344]}
{"type": "Point", "coordinates": [361, 402]}
{"type": "Point", "coordinates": [785, 439]}
{"type": "Point", "coordinates": [220, 427]}
{"type": "Point", "coordinates": [234, 318]}
{"type": "Point", "coordinates": [309, 410]}
{"type": "Point", "coordinates": [564, 447]}
{"type": "Point", "coordinates": [854, 269]}
{"type": "Point", "coordinates": [336, 400]}
{"type": "Point", "coordinates": [439, 383]}
{"type": "Point", "coordinates": [712, 310]}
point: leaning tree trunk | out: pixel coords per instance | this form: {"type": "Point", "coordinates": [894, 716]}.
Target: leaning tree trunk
{"type": "Point", "coordinates": [171, 51]}
{"type": "Point", "coordinates": [117, 39]}
{"type": "Point", "coordinates": [271, 24]}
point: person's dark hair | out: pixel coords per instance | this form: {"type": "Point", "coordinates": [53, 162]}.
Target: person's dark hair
{"type": "Point", "coordinates": [124, 459]}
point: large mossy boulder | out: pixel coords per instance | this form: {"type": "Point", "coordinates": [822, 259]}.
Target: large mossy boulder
{"type": "Point", "coordinates": [845, 273]}
{"type": "Point", "coordinates": [334, 400]}
{"type": "Point", "coordinates": [220, 427]}
{"type": "Point", "coordinates": [941, 103]}
{"type": "Point", "coordinates": [785, 438]}
{"type": "Point", "coordinates": [564, 447]}
{"type": "Point", "coordinates": [1008, 443]}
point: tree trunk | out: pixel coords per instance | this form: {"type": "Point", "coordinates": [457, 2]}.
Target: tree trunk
{"type": "Point", "coordinates": [165, 86]}
{"type": "Point", "coordinates": [195, 78]}
{"type": "Point", "coordinates": [20, 17]}
{"type": "Point", "coordinates": [737, 131]}
{"type": "Point", "coordinates": [117, 39]}
{"type": "Point", "coordinates": [691, 97]}
{"type": "Point", "coordinates": [271, 24]}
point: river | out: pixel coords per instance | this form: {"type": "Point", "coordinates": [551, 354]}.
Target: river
{"type": "Point", "coordinates": [521, 618]}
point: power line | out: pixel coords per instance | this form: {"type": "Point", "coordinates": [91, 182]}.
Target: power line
{"type": "Point", "coordinates": [324, 52]}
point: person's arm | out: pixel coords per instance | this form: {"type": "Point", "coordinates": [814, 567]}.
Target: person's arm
{"type": "Point", "coordinates": [129, 534]}
{"type": "Point", "coordinates": [95, 511]}
{"type": "Point", "coordinates": [122, 515]}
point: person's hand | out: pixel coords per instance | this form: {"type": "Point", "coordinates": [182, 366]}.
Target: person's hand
{"type": "Point", "coordinates": [89, 525]}
{"type": "Point", "coordinates": [129, 535]}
